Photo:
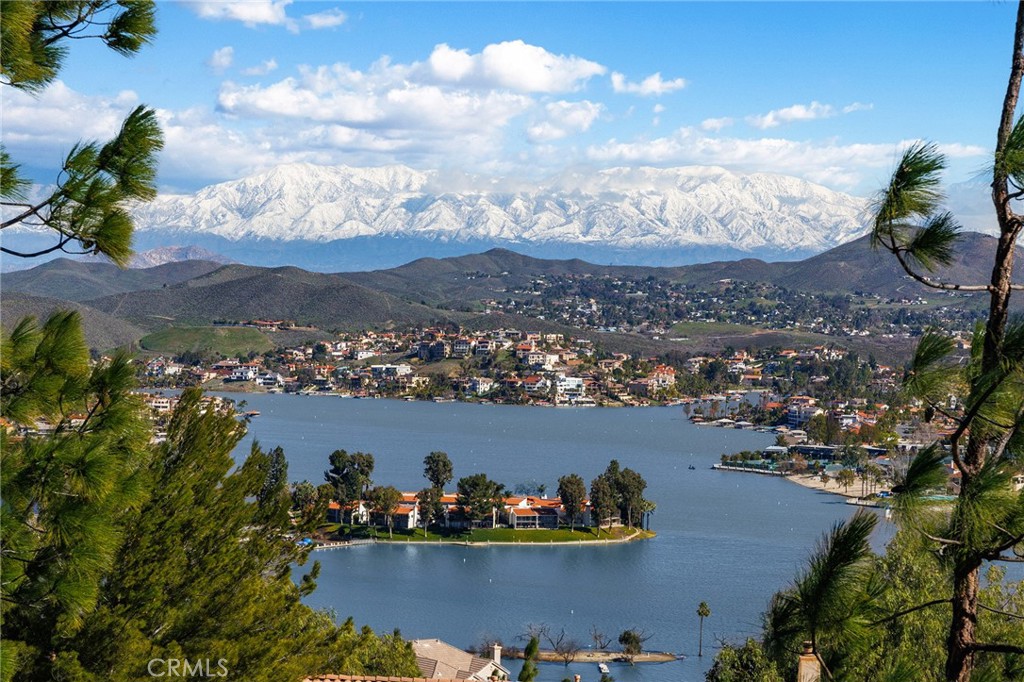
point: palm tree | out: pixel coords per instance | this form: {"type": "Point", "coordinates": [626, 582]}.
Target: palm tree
{"type": "Point", "coordinates": [703, 612]}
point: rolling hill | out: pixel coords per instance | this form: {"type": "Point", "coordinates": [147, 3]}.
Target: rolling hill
{"type": "Point", "coordinates": [237, 292]}
{"type": "Point", "coordinates": [74, 280]}
{"type": "Point", "coordinates": [102, 331]}
{"type": "Point", "coordinates": [850, 267]}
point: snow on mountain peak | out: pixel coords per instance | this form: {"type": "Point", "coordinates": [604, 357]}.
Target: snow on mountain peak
{"type": "Point", "coordinates": [616, 207]}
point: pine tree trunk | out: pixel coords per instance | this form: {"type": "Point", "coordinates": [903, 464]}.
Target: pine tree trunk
{"type": "Point", "coordinates": [959, 661]}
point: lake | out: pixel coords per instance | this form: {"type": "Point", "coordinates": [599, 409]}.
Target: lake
{"type": "Point", "coordinates": [730, 539]}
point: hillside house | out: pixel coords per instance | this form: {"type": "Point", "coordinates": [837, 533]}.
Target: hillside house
{"type": "Point", "coordinates": [462, 347]}
{"type": "Point", "coordinates": [535, 385]}
{"type": "Point", "coordinates": [440, 660]}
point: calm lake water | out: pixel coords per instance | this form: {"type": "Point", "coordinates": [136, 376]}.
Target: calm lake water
{"type": "Point", "coordinates": [727, 538]}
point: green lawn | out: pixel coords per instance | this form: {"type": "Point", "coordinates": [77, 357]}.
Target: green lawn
{"type": "Point", "coordinates": [482, 535]}
{"type": "Point", "coordinates": [228, 341]}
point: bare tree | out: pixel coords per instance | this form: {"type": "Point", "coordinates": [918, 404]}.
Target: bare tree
{"type": "Point", "coordinates": [565, 647]}
{"type": "Point", "coordinates": [601, 640]}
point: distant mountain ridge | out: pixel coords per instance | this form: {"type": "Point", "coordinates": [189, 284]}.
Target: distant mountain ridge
{"type": "Point", "coordinates": [175, 254]}
{"type": "Point", "coordinates": [621, 208]}
{"type": "Point", "coordinates": [850, 267]}
{"type": "Point", "coordinates": [78, 280]}
{"type": "Point", "coordinates": [428, 290]}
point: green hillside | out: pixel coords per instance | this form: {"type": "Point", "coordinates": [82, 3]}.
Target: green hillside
{"type": "Point", "coordinates": [103, 332]}
{"type": "Point", "coordinates": [228, 341]}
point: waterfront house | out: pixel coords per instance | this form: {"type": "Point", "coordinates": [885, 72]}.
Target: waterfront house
{"type": "Point", "coordinates": [481, 385]}
{"type": "Point", "coordinates": [269, 379]}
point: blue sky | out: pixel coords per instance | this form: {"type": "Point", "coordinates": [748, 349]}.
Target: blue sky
{"type": "Point", "coordinates": [829, 92]}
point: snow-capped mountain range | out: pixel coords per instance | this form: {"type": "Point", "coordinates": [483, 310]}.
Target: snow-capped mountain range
{"type": "Point", "coordinates": [620, 208]}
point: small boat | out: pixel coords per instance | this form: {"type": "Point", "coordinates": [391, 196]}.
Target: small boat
{"type": "Point", "coordinates": [603, 668]}
{"type": "Point", "coordinates": [252, 413]}
{"type": "Point", "coordinates": [691, 467]}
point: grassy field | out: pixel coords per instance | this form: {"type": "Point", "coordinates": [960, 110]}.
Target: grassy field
{"type": "Point", "coordinates": [713, 336]}
{"type": "Point", "coordinates": [703, 329]}
{"type": "Point", "coordinates": [227, 341]}
{"type": "Point", "coordinates": [484, 535]}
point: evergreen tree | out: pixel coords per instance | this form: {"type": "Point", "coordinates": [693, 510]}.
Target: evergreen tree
{"type": "Point", "coordinates": [832, 604]}
{"type": "Point", "coordinates": [431, 509]}
{"type": "Point", "coordinates": [987, 520]}
{"type": "Point", "coordinates": [384, 500]}
{"type": "Point", "coordinates": [479, 497]}
{"type": "Point", "coordinates": [115, 554]}
{"type": "Point", "coordinates": [205, 573]}
{"type": "Point", "coordinates": [572, 491]}
{"type": "Point", "coordinates": [437, 469]}
{"type": "Point", "coordinates": [66, 491]}
{"type": "Point", "coordinates": [350, 475]}
{"type": "Point", "coordinates": [529, 671]}
{"type": "Point", "coordinates": [602, 501]}
{"type": "Point", "coordinates": [87, 209]}
{"type": "Point", "coordinates": [747, 663]}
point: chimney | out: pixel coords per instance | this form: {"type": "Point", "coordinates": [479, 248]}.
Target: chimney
{"type": "Point", "coordinates": [808, 668]}
{"type": "Point", "coordinates": [496, 653]}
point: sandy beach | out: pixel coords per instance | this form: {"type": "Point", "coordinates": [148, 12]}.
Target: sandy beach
{"type": "Point", "coordinates": [814, 482]}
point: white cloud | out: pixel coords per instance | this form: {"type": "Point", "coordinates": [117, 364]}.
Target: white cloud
{"type": "Point", "coordinates": [405, 107]}
{"type": "Point", "coordinates": [956, 150]}
{"type": "Point", "coordinates": [797, 112]}
{"type": "Point", "coordinates": [250, 12]}
{"type": "Point", "coordinates": [857, 106]}
{"type": "Point", "coordinates": [449, 64]}
{"type": "Point", "coordinates": [652, 86]}
{"type": "Point", "coordinates": [329, 18]}
{"type": "Point", "coordinates": [716, 124]}
{"type": "Point", "coordinates": [221, 59]}
{"type": "Point", "coordinates": [658, 108]}
{"type": "Point", "coordinates": [564, 119]}
{"type": "Point", "coordinates": [843, 166]}
{"type": "Point", "coordinates": [58, 117]}
{"type": "Point", "coordinates": [514, 65]}
{"type": "Point", "coordinates": [262, 69]}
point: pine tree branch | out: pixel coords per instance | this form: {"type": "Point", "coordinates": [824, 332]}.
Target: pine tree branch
{"type": "Point", "coordinates": [928, 282]}
{"type": "Point", "coordinates": [1001, 613]}
{"type": "Point", "coordinates": [969, 416]}
{"type": "Point", "coordinates": [996, 648]}
{"type": "Point", "coordinates": [59, 247]}
{"type": "Point", "coordinates": [33, 210]}
{"type": "Point", "coordinates": [1009, 544]}
{"type": "Point", "coordinates": [900, 614]}
{"type": "Point", "coordinates": [943, 541]}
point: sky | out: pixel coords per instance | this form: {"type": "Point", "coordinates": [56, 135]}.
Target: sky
{"type": "Point", "coordinates": [519, 92]}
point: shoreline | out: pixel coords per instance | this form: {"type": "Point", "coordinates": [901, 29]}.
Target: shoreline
{"type": "Point", "coordinates": [339, 544]}
{"type": "Point", "coordinates": [235, 388]}
{"type": "Point", "coordinates": [600, 656]}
